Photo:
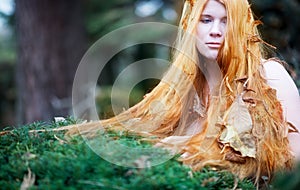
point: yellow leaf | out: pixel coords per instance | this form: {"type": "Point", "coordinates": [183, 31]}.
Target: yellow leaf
{"type": "Point", "coordinates": [238, 116]}
{"type": "Point", "coordinates": [238, 126]}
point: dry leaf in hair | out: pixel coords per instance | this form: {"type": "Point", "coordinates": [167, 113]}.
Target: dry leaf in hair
{"type": "Point", "coordinates": [292, 128]}
{"type": "Point", "coordinates": [234, 156]}
{"type": "Point", "coordinates": [238, 126]}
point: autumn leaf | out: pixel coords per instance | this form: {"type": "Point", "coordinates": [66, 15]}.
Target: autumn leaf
{"type": "Point", "coordinates": [238, 116]}
{"type": "Point", "coordinates": [232, 156]}
{"type": "Point", "coordinates": [292, 128]}
{"type": "Point", "coordinates": [28, 180]}
{"type": "Point", "coordinates": [238, 125]}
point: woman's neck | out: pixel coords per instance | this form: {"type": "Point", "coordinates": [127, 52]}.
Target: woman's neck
{"type": "Point", "coordinates": [211, 71]}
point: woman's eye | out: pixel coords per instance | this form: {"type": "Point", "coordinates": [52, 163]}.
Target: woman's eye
{"type": "Point", "coordinates": [206, 20]}
{"type": "Point", "coordinates": [224, 20]}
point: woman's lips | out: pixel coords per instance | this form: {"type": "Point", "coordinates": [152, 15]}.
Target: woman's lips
{"type": "Point", "coordinates": [213, 45]}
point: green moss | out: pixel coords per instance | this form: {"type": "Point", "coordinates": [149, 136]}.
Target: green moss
{"type": "Point", "coordinates": [61, 164]}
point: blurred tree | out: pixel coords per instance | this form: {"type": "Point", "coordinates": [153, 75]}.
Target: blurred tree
{"type": "Point", "coordinates": [51, 41]}
{"type": "Point", "coordinates": [281, 29]}
{"type": "Point", "coordinates": [7, 94]}
{"type": "Point", "coordinates": [7, 69]}
{"type": "Point", "coordinates": [103, 17]}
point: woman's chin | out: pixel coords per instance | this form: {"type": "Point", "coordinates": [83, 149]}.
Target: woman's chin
{"type": "Point", "coordinates": [211, 56]}
{"type": "Point", "coordinates": [208, 53]}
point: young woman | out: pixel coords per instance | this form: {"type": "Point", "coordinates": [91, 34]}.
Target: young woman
{"type": "Point", "coordinates": [241, 121]}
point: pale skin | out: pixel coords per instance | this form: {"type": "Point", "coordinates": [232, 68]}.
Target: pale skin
{"type": "Point", "coordinates": [287, 93]}
{"type": "Point", "coordinates": [211, 29]}
{"type": "Point", "coordinates": [210, 34]}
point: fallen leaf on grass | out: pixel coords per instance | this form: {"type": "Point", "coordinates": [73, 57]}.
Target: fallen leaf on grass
{"type": "Point", "coordinates": [205, 182]}
{"type": "Point", "coordinates": [28, 180]}
{"type": "Point", "coordinates": [61, 141]}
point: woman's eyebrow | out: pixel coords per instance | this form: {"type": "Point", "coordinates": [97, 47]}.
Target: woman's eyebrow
{"type": "Point", "coordinates": [206, 16]}
{"type": "Point", "coordinates": [210, 16]}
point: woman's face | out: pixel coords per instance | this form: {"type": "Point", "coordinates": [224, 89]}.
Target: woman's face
{"type": "Point", "coordinates": [211, 29]}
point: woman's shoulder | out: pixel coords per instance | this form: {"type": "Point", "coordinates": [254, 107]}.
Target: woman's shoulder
{"type": "Point", "coordinates": [274, 68]}
{"type": "Point", "coordinates": [286, 90]}
{"type": "Point", "coordinates": [287, 93]}
{"type": "Point", "coordinates": [277, 76]}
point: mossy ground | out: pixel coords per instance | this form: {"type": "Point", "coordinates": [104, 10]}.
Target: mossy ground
{"type": "Point", "coordinates": [46, 160]}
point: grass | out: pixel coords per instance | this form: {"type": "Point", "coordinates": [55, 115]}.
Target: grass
{"type": "Point", "coordinates": [46, 160]}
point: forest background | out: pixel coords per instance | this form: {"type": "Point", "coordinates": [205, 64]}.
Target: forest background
{"type": "Point", "coordinates": [43, 41]}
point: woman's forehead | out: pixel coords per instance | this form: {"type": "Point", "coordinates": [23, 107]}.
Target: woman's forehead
{"type": "Point", "coordinates": [214, 7]}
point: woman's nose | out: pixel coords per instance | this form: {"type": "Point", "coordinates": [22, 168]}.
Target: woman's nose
{"type": "Point", "coordinates": [216, 30]}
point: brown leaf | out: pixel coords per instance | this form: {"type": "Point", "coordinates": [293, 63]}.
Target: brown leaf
{"type": "Point", "coordinates": [238, 126]}
{"type": "Point", "coordinates": [243, 143]}
{"type": "Point", "coordinates": [235, 157]}
{"type": "Point", "coordinates": [4, 132]}
{"type": "Point", "coordinates": [238, 116]}
{"type": "Point", "coordinates": [205, 182]}
{"type": "Point", "coordinates": [292, 128]}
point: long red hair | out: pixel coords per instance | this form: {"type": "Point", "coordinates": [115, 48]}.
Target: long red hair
{"type": "Point", "coordinates": [164, 111]}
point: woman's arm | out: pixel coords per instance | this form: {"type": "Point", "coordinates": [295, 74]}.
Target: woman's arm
{"type": "Point", "coordinates": [287, 93]}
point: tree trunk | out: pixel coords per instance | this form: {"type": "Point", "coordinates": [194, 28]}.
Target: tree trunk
{"type": "Point", "coordinates": [51, 42]}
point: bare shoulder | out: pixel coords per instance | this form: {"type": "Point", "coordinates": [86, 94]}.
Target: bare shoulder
{"type": "Point", "coordinates": [286, 90]}
{"type": "Point", "coordinates": [288, 95]}
{"type": "Point", "coordinates": [278, 77]}
{"type": "Point", "coordinates": [274, 69]}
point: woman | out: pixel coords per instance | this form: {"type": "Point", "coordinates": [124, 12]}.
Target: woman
{"type": "Point", "coordinates": [240, 122]}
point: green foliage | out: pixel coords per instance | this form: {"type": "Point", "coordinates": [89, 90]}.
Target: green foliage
{"type": "Point", "coordinates": [57, 163]}
{"type": "Point", "coordinates": [102, 17]}
{"type": "Point", "coordinates": [287, 181]}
